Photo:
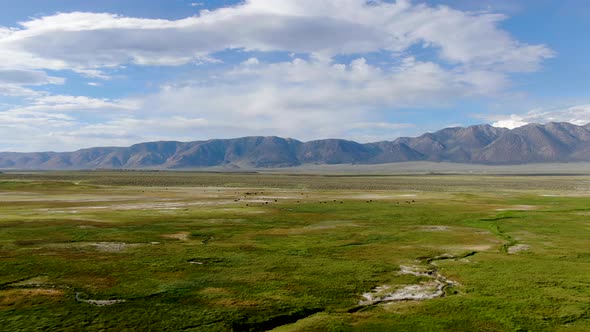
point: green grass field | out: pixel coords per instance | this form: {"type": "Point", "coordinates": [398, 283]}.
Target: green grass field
{"type": "Point", "coordinates": [193, 251]}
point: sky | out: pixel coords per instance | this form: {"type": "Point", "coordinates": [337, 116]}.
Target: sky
{"type": "Point", "coordinates": [76, 74]}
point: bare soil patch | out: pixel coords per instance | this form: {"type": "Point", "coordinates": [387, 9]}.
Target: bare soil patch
{"type": "Point", "coordinates": [434, 228]}
{"type": "Point", "coordinates": [518, 208]}
{"type": "Point", "coordinates": [98, 303]}
{"type": "Point", "coordinates": [183, 236]}
{"type": "Point", "coordinates": [113, 246]}
{"type": "Point", "coordinates": [474, 247]}
{"type": "Point", "coordinates": [36, 281]}
{"type": "Point", "coordinates": [518, 248]}
{"type": "Point", "coordinates": [418, 292]}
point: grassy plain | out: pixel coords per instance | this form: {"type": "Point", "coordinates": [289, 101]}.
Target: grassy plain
{"type": "Point", "coordinates": [196, 251]}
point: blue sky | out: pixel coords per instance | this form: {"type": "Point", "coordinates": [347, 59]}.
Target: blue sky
{"type": "Point", "coordinates": [75, 74]}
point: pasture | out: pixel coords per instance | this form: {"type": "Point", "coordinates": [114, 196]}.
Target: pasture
{"type": "Point", "coordinates": [196, 251]}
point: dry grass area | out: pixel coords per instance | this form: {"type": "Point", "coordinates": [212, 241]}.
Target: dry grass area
{"type": "Point", "coordinates": [12, 298]}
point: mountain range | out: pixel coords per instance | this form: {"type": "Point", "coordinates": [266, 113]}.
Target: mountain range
{"type": "Point", "coordinates": [479, 144]}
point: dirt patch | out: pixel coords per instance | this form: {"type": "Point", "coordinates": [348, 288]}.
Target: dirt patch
{"type": "Point", "coordinates": [101, 303]}
{"type": "Point", "coordinates": [113, 246]}
{"type": "Point", "coordinates": [183, 236]}
{"type": "Point", "coordinates": [415, 271]}
{"type": "Point", "coordinates": [418, 292]}
{"type": "Point", "coordinates": [377, 196]}
{"type": "Point", "coordinates": [220, 221]}
{"type": "Point", "coordinates": [262, 201]}
{"type": "Point", "coordinates": [33, 197]}
{"type": "Point", "coordinates": [332, 224]}
{"type": "Point", "coordinates": [518, 208]}
{"type": "Point", "coordinates": [98, 303]}
{"type": "Point", "coordinates": [36, 281]}
{"type": "Point", "coordinates": [434, 228]}
{"type": "Point", "coordinates": [44, 291]}
{"type": "Point", "coordinates": [518, 248]}
{"type": "Point", "coordinates": [156, 205]}
{"type": "Point", "coordinates": [60, 211]}
{"type": "Point", "coordinates": [475, 247]}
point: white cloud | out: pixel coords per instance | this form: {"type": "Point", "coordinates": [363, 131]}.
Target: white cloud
{"type": "Point", "coordinates": [17, 82]}
{"type": "Point", "coordinates": [382, 125]}
{"type": "Point", "coordinates": [27, 77]}
{"type": "Point", "coordinates": [12, 90]}
{"type": "Point", "coordinates": [79, 104]}
{"type": "Point", "coordinates": [92, 73]}
{"type": "Point", "coordinates": [86, 41]}
{"type": "Point", "coordinates": [514, 121]}
{"type": "Point", "coordinates": [251, 62]}
{"type": "Point", "coordinates": [31, 118]}
{"type": "Point", "coordinates": [58, 122]}
{"type": "Point", "coordinates": [307, 98]}
{"type": "Point", "coordinates": [302, 99]}
{"type": "Point", "coordinates": [579, 115]}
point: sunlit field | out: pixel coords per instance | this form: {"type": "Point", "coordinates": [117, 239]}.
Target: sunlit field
{"type": "Point", "coordinates": [193, 251]}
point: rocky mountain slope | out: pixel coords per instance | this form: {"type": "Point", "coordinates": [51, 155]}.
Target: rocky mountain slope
{"type": "Point", "coordinates": [482, 144]}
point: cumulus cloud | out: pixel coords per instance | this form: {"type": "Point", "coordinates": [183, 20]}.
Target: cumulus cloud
{"type": "Point", "coordinates": [27, 77]}
{"type": "Point", "coordinates": [95, 40]}
{"type": "Point", "coordinates": [13, 90]}
{"type": "Point", "coordinates": [56, 122]}
{"type": "Point", "coordinates": [311, 96]}
{"type": "Point", "coordinates": [17, 82]}
{"type": "Point", "coordinates": [78, 104]}
{"type": "Point", "coordinates": [305, 99]}
{"type": "Point", "coordinates": [579, 115]}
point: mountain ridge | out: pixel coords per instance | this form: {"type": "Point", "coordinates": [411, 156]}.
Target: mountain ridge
{"type": "Point", "coordinates": [478, 144]}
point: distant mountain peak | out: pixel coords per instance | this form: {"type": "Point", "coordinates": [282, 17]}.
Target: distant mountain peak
{"type": "Point", "coordinates": [485, 144]}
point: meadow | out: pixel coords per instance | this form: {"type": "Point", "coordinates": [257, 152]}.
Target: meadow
{"type": "Point", "coordinates": [193, 251]}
